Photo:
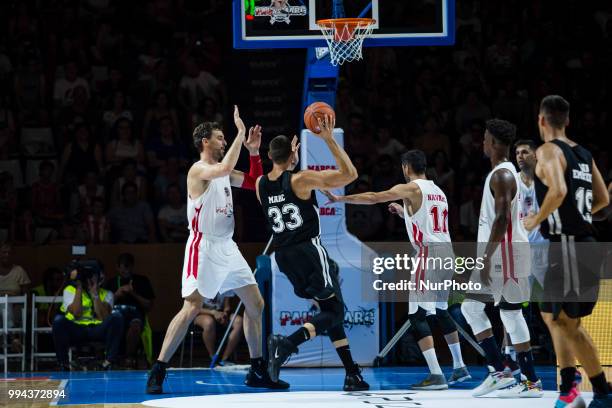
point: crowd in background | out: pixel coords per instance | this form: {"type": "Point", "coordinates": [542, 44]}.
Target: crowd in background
{"type": "Point", "coordinates": [96, 112]}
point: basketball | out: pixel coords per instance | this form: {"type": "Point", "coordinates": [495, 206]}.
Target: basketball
{"type": "Point", "coordinates": [317, 110]}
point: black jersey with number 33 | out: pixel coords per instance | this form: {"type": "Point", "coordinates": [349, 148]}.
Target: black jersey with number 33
{"type": "Point", "coordinates": [292, 219]}
{"type": "Point", "coordinates": [573, 217]}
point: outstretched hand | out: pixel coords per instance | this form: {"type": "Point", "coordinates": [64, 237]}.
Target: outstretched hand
{"type": "Point", "coordinates": [253, 142]}
{"type": "Point", "coordinates": [331, 197]}
{"type": "Point", "coordinates": [326, 124]}
{"type": "Point", "coordinates": [295, 155]}
{"type": "Point", "coordinates": [238, 121]}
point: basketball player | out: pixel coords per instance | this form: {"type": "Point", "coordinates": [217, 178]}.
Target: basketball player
{"type": "Point", "coordinates": [213, 264]}
{"type": "Point", "coordinates": [289, 204]}
{"type": "Point", "coordinates": [425, 212]}
{"type": "Point", "coordinates": [503, 245]}
{"type": "Point", "coordinates": [570, 189]}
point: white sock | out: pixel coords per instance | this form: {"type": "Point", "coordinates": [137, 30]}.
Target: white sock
{"type": "Point", "coordinates": [432, 361]}
{"type": "Point", "coordinates": [455, 350]}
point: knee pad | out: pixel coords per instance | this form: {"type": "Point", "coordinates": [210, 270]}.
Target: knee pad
{"type": "Point", "coordinates": [445, 321]}
{"type": "Point", "coordinates": [332, 314]}
{"type": "Point", "coordinates": [418, 324]}
{"type": "Point", "coordinates": [336, 333]}
{"type": "Point", "coordinates": [515, 325]}
{"type": "Point", "coordinates": [474, 313]}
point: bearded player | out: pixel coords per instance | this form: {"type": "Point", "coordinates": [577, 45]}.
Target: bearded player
{"type": "Point", "coordinates": [425, 212]}
{"type": "Point", "coordinates": [213, 263]}
{"type": "Point", "coordinates": [570, 189]}
{"type": "Point", "coordinates": [290, 206]}
{"type": "Point", "coordinates": [504, 246]}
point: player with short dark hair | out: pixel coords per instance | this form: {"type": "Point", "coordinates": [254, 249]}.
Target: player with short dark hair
{"type": "Point", "coordinates": [569, 189]}
{"type": "Point", "coordinates": [290, 206]}
{"type": "Point", "coordinates": [425, 211]}
{"type": "Point", "coordinates": [504, 246]}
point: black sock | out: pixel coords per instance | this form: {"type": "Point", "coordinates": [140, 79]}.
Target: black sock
{"type": "Point", "coordinates": [568, 376]}
{"type": "Point", "coordinates": [258, 364]}
{"type": "Point", "coordinates": [494, 357]}
{"type": "Point", "coordinates": [600, 385]}
{"type": "Point", "coordinates": [299, 336]}
{"type": "Point", "coordinates": [510, 363]}
{"type": "Point", "coordinates": [344, 352]}
{"type": "Point", "coordinates": [525, 361]}
{"type": "Point", "coordinates": [162, 364]}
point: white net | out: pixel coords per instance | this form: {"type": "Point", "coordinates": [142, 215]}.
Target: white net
{"type": "Point", "coordinates": [345, 37]}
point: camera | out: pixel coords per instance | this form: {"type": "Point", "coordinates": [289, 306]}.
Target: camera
{"type": "Point", "coordinates": [83, 271]}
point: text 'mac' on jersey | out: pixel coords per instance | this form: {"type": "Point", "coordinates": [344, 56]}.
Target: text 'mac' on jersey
{"type": "Point", "coordinates": [292, 219]}
{"type": "Point", "coordinates": [573, 217]}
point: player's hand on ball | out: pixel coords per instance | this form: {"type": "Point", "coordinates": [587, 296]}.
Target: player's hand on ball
{"type": "Point", "coordinates": [395, 208]}
{"type": "Point", "coordinates": [254, 140]}
{"type": "Point", "coordinates": [238, 121]}
{"type": "Point", "coordinates": [331, 197]}
{"type": "Point", "coordinates": [326, 124]}
{"type": "Point", "coordinates": [530, 222]}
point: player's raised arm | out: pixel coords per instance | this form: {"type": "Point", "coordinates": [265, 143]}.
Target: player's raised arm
{"type": "Point", "coordinates": [328, 179]}
{"type": "Point", "coordinates": [225, 167]}
{"type": "Point", "coordinates": [550, 170]}
{"type": "Point", "coordinates": [247, 180]}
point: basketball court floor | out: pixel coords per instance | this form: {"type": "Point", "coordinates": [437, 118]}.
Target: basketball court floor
{"type": "Point", "coordinates": [196, 388]}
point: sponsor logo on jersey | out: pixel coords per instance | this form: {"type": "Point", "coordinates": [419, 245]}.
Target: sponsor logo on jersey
{"type": "Point", "coordinates": [584, 173]}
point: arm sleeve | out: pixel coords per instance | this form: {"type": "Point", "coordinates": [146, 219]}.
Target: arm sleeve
{"type": "Point", "coordinates": [255, 170]}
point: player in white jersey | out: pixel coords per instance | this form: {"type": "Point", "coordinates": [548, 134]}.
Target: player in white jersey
{"type": "Point", "coordinates": [525, 151]}
{"type": "Point", "coordinates": [503, 245]}
{"type": "Point", "coordinates": [425, 212]}
{"type": "Point", "coordinates": [213, 264]}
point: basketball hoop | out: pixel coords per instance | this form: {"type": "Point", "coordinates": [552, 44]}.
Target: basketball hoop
{"type": "Point", "coordinates": [345, 37]}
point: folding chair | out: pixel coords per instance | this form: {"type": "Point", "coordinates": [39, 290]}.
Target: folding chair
{"type": "Point", "coordinates": [6, 304]}
{"type": "Point", "coordinates": [37, 330]}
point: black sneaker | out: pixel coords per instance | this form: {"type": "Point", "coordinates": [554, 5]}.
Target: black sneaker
{"type": "Point", "coordinates": [157, 375]}
{"type": "Point", "coordinates": [279, 350]}
{"type": "Point", "coordinates": [355, 382]}
{"type": "Point", "coordinates": [262, 380]}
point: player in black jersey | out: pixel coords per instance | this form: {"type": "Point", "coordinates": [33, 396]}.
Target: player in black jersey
{"type": "Point", "coordinates": [569, 188]}
{"type": "Point", "coordinates": [291, 209]}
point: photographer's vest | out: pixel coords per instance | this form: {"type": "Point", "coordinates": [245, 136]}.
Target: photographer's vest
{"type": "Point", "coordinates": [87, 317]}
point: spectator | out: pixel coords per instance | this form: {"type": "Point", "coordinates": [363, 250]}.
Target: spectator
{"type": "Point", "coordinates": [129, 175]}
{"type": "Point", "coordinates": [53, 283]}
{"type": "Point", "coordinates": [8, 205]}
{"type": "Point", "coordinates": [31, 93]}
{"type": "Point", "coordinates": [207, 112]}
{"type": "Point", "coordinates": [161, 109]}
{"type": "Point", "coordinates": [14, 281]}
{"type": "Point", "coordinates": [214, 316]}
{"type": "Point", "coordinates": [80, 111]}
{"type": "Point", "coordinates": [442, 174]}
{"type": "Point", "coordinates": [63, 90]}
{"type": "Point", "coordinates": [384, 175]}
{"type": "Point", "coordinates": [81, 156]}
{"type": "Point", "coordinates": [470, 111]}
{"type": "Point", "coordinates": [124, 145]}
{"type": "Point", "coordinates": [46, 202]}
{"type": "Point", "coordinates": [387, 144]}
{"type": "Point", "coordinates": [7, 121]}
{"type": "Point", "coordinates": [133, 299]}
{"type": "Point", "coordinates": [196, 85]}
{"type": "Point", "coordinates": [88, 317]}
{"type": "Point", "coordinates": [132, 220]}
{"type": "Point", "coordinates": [469, 212]}
{"type": "Point", "coordinates": [117, 110]}
{"type": "Point", "coordinates": [172, 217]}
{"type": "Point", "coordinates": [168, 174]}
{"type": "Point", "coordinates": [96, 225]}
{"type": "Point", "coordinates": [164, 146]}
{"type": "Point", "coordinates": [89, 191]}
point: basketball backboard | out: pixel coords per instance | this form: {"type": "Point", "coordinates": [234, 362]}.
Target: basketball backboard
{"type": "Point", "coordinates": [292, 23]}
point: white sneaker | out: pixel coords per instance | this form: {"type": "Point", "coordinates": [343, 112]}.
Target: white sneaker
{"type": "Point", "coordinates": [524, 389]}
{"type": "Point", "coordinates": [496, 380]}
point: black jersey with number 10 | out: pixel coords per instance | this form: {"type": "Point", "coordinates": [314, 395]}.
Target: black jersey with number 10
{"type": "Point", "coordinates": [573, 217]}
{"type": "Point", "coordinates": [292, 219]}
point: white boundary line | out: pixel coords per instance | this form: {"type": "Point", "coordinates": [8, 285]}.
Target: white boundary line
{"type": "Point", "coordinates": [62, 387]}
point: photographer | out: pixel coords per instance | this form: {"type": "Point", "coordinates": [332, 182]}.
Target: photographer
{"type": "Point", "coordinates": [88, 316]}
{"type": "Point", "coordinates": [133, 299]}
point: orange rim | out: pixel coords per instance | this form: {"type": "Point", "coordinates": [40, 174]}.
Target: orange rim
{"type": "Point", "coordinates": [351, 22]}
